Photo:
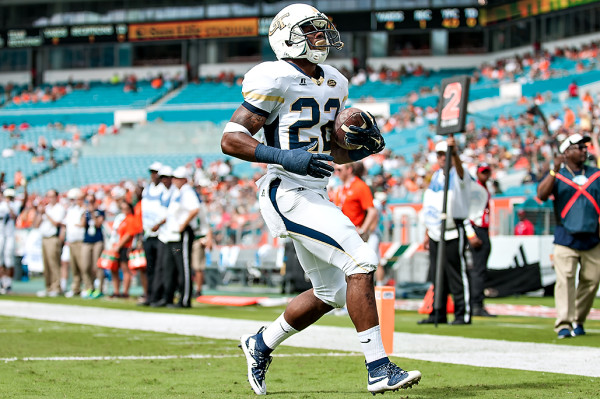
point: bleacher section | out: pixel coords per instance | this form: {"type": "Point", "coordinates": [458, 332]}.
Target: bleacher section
{"type": "Point", "coordinates": [126, 156]}
{"type": "Point", "coordinates": [207, 93]}
{"type": "Point", "coordinates": [82, 106]}
{"type": "Point", "coordinates": [207, 101]}
{"type": "Point", "coordinates": [190, 121]}
{"type": "Point", "coordinates": [106, 169]}
{"type": "Point", "coordinates": [161, 138]}
{"type": "Point", "coordinates": [393, 90]}
{"type": "Point", "coordinates": [26, 161]}
{"type": "Point", "coordinates": [100, 95]}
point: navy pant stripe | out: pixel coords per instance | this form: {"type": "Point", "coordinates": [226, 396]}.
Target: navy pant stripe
{"type": "Point", "coordinates": [297, 228]}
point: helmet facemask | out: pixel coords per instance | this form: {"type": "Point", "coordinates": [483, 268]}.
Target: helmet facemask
{"type": "Point", "coordinates": [315, 51]}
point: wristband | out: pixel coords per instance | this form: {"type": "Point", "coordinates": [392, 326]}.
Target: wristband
{"type": "Point", "coordinates": [552, 173]}
{"type": "Point", "coordinates": [471, 236]}
{"type": "Point", "coordinates": [358, 154]}
{"type": "Point", "coordinates": [266, 154]}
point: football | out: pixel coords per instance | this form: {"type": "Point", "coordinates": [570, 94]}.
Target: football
{"type": "Point", "coordinates": [348, 117]}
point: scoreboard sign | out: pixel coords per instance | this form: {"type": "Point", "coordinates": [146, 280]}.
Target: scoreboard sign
{"type": "Point", "coordinates": [84, 34]}
{"type": "Point", "coordinates": [204, 29]}
{"type": "Point", "coordinates": [428, 18]}
{"type": "Point", "coordinates": [452, 111]}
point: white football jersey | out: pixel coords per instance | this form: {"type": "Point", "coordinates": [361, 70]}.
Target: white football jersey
{"type": "Point", "coordinates": [299, 109]}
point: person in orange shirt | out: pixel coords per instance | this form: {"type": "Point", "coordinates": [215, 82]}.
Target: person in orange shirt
{"type": "Point", "coordinates": [125, 227]}
{"type": "Point", "coordinates": [355, 199]}
{"type": "Point", "coordinates": [569, 118]}
{"type": "Point", "coordinates": [588, 101]}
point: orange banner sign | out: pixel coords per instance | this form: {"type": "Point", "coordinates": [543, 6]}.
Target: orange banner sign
{"type": "Point", "coordinates": [205, 29]}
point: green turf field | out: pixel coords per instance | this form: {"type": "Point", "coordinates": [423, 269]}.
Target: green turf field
{"type": "Point", "coordinates": [509, 328]}
{"type": "Point", "coordinates": [67, 362]}
{"type": "Point", "coordinates": [60, 360]}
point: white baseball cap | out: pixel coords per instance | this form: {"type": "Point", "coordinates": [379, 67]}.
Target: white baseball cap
{"type": "Point", "coordinates": [180, 172]}
{"type": "Point", "coordinates": [9, 192]}
{"type": "Point", "coordinates": [165, 170]}
{"type": "Point", "coordinates": [442, 146]}
{"type": "Point", "coordinates": [155, 166]}
{"type": "Point", "coordinates": [74, 193]}
{"type": "Point", "coordinates": [573, 139]}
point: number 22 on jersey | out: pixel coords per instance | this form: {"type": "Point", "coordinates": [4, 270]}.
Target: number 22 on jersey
{"type": "Point", "coordinates": [317, 126]}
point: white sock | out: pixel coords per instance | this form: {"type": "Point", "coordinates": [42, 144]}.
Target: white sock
{"type": "Point", "coordinates": [63, 284]}
{"type": "Point", "coordinates": [278, 332]}
{"type": "Point", "coordinates": [7, 281]}
{"type": "Point", "coordinates": [371, 343]}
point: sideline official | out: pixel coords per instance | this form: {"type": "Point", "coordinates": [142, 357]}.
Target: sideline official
{"type": "Point", "coordinates": [479, 239]}
{"type": "Point", "coordinates": [454, 269]}
{"type": "Point", "coordinates": [576, 190]}
{"type": "Point", "coordinates": [152, 215]}
{"type": "Point", "coordinates": [178, 236]}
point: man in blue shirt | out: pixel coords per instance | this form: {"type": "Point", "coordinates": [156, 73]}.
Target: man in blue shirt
{"type": "Point", "coordinates": [576, 190]}
{"type": "Point", "coordinates": [93, 243]}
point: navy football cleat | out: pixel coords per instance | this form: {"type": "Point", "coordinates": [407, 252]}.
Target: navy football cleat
{"type": "Point", "coordinates": [389, 377]}
{"type": "Point", "coordinates": [578, 330]}
{"type": "Point", "coordinates": [565, 333]}
{"type": "Point", "coordinates": [258, 362]}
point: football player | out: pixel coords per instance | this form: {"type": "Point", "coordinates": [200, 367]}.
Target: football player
{"type": "Point", "coordinates": [295, 101]}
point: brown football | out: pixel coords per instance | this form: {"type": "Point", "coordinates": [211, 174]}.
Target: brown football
{"type": "Point", "coordinates": [348, 117]}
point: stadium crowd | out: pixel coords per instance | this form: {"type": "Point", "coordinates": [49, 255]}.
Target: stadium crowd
{"type": "Point", "coordinates": [231, 203]}
{"type": "Point", "coordinates": [510, 142]}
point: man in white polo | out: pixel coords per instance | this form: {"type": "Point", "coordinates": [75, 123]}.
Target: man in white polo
{"type": "Point", "coordinates": [152, 215]}
{"type": "Point", "coordinates": [178, 236]}
{"type": "Point", "coordinates": [74, 234]}
{"type": "Point", "coordinates": [49, 220]}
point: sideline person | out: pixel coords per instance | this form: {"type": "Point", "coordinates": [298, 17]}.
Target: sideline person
{"type": "Point", "coordinates": [576, 190]}
{"type": "Point", "coordinates": [454, 268]}
{"type": "Point", "coordinates": [49, 221]}
{"type": "Point", "coordinates": [479, 241]}
{"type": "Point", "coordinates": [10, 209]}
{"type": "Point", "coordinates": [355, 199]}
{"type": "Point", "coordinates": [152, 214]}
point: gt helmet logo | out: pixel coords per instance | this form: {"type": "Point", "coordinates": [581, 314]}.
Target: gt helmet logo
{"type": "Point", "coordinates": [290, 29]}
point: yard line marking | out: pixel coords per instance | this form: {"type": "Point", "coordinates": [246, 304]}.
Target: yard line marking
{"type": "Point", "coordinates": [161, 357]}
{"type": "Point", "coordinates": [545, 357]}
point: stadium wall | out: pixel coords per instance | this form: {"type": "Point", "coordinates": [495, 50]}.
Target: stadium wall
{"type": "Point", "coordinates": [104, 74]}
{"type": "Point", "coordinates": [17, 78]}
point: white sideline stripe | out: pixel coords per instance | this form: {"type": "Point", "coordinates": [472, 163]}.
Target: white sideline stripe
{"type": "Point", "coordinates": [159, 357]}
{"type": "Point", "coordinates": [565, 359]}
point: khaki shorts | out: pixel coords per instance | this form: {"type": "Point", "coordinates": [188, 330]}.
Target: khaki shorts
{"type": "Point", "coordinates": [198, 255]}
